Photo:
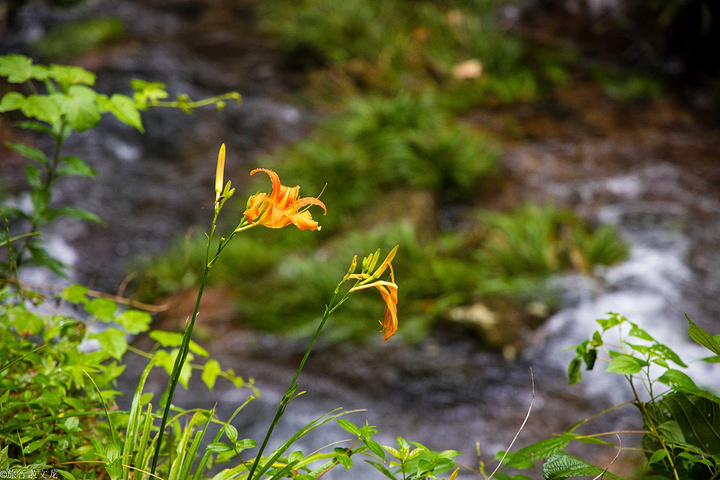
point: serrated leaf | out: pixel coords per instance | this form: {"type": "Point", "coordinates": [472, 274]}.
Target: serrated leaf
{"type": "Point", "coordinates": [166, 339]}
{"type": "Point", "coordinates": [73, 166]}
{"type": "Point", "coordinates": [134, 321]}
{"type": "Point", "coordinates": [561, 465]}
{"type": "Point", "coordinates": [16, 68]}
{"type": "Point", "coordinates": [102, 309]}
{"type": "Point", "coordinates": [625, 365]}
{"type": "Point", "coordinates": [702, 337]}
{"type": "Point", "coordinates": [210, 372]}
{"type": "Point", "coordinates": [67, 75]}
{"type": "Point", "coordinates": [29, 152]}
{"type": "Point", "coordinates": [12, 101]}
{"type": "Point", "coordinates": [42, 107]}
{"type": "Point", "coordinates": [79, 107]}
{"type": "Point", "coordinates": [125, 110]}
{"type": "Point", "coordinates": [75, 294]}
{"type": "Point", "coordinates": [543, 448]}
{"type": "Point", "coordinates": [112, 341]}
{"type": "Point", "coordinates": [668, 354]}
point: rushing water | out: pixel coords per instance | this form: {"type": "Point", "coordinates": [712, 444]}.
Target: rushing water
{"type": "Point", "coordinates": [653, 175]}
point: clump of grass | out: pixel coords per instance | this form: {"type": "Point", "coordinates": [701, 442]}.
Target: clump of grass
{"type": "Point", "coordinates": [387, 46]}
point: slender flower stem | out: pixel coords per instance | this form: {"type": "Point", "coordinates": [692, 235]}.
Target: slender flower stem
{"type": "Point", "coordinates": [185, 346]}
{"type": "Point", "coordinates": [289, 393]}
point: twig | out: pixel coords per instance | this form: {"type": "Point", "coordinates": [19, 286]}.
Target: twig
{"type": "Point", "coordinates": [527, 416]}
{"type": "Point", "coordinates": [613, 460]}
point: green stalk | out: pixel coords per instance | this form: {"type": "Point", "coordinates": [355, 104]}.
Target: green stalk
{"type": "Point", "coordinates": [185, 346]}
{"type": "Point", "coordinates": [289, 393]}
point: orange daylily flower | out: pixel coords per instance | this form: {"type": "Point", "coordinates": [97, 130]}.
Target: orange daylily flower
{"type": "Point", "coordinates": [282, 206]}
{"type": "Point", "coordinates": [388, 291]}
{"type": "Point", "coordinates": [219, 174]}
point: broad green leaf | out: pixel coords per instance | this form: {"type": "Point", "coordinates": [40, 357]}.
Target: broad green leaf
{"type": "Point", "coordinates": [125, 110]}
{"type": "Point", "coordinates": [245, 443]}
{"type": "Point", "coordinates": [166, 339]}
{"type": "Point", "coordinates": [69, 75]}
{"type": "Point", "coordinates": [134, 321]}
{"type": "Point", "coordinates": [112, 452]}
{"type": "Point", "coordinates": [102, 309]}
{"type": "Point", "coordinates": [17, 68]}
{"type": "Point", "coordinates": [210, 372]}
{"type": "Point", "coordinates": [671, 432]}
{"type": "Point", "coordinates": [345, 461]}
{"type": "Point", "coordinates": [12, 101]}
{"type": "Point", "coordinates": [29, 152]}
{"type": "Point", "coordinates": [75, 167]}
{"type": "Point", "coordinates": [34, 445]}
{"type": "Point", "coordinates": [42, 107]}
{"type": "Point", "coordinates": [543, 448]}
{"type": "Point", "coordinates": [702, 337]}
{"type": "Point", "coordinates": [561, 465]}
{"type": "Point", "coordinates": [195, 348]}
{"type": "Point", "coordinates": [75, 294]}
{"type": "Point", "coordinates": [697, 419]}
{"type": "Point", "coordinates": [112, 341]}
{"type": "Point", "coordinates": [625, 365]}
{"type": "Point", "coordinates": [80, 108]}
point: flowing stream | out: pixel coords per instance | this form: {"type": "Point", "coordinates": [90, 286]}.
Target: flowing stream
{"type": "Point", "coordinates": [651, 171]}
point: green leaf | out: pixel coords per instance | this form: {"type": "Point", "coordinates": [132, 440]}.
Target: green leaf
{"type": "Point", "coordinates": [102, 309]}
{"type": "Point", "coordinates": [658, 456]}
{"type": "Point", "coordinates": [575, 371]}
{"type": "Point", "coordinates": [125, 110]}
{"type": "Point", "coordinates": [69, 75]}
{"type": "Point", "coordinates": [195, 348]}
{"type": "Point", "coordinates": [80, 109]}
{"type": "Point", "coordinates": [42, 107]}
{"type": "Point", "coordinates": [12, 101]}
{"type": "Point", "coordinates": [112, 341]}
{"type": "Point", "coordinates": [167, 339]}
{"type": "Point", "coordinates": [75, 167]}
{"type": "Point", "coordinates": [382, 469]}
{"type": "Point", "coordinates": [75, 294]}
{"type": "Point", "coordinates": [73, 212]}
{"type": "Point", "coordinates": [543, 448]}
{"type": "Point", "coordinates": [17, 68]}
{"type": "Point", "coordinates": [349, 427]}
{"type": "Point", "coordinates": [231, 432]}
{"type": "Point", "coordinates": [638, 332]}
{"type": "Point", "coordinates": [702, 337]}
{"type": "Point", "coordinates": [40, 198]}
{"type": "Point", "coordinates": [374, 447]}
{"type": "Point", "coordinates": [697, 419]}
{"type": "Point", "coordinates": [33, 175]}
{"type": "Point", "coordinates": [29, 152]}
{"type": "Point", "coordinates": [667, 353]}
{"type": "Point", "coordinates": [344, 460]}
{"type": "Point", "coordinates": [219, 447]}
{"type": "Point", "coordinates": [625, 365]}
{"type": "Point", "coordinates": [245, 443]}
{"type": "Point", "coordinates": [134, 321]}
{"type": "Point", "coordinates": [210, 372]}
{"type": "Point", "coordinates": [112, 452]}
{"type": "Point", "coordinates": [561, 465]}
